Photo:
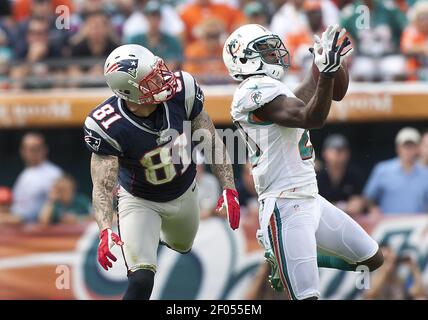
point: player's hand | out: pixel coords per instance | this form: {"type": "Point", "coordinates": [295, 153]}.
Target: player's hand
{"type": "Point", "coordinates": [107, 240]}
{"type": "Point", "coordinates": [228, 203]}
{"type": "Point", "coordinates": [328, 55]}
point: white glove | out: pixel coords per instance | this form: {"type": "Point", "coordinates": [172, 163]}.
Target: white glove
{"type": "Point", "coordinates": [328, 56]}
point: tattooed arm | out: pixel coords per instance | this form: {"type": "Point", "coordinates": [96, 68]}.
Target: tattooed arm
{"type": "Point", "coordinates": [223, 171]}
{"type": "Point", "coordinates": [104, 171]}
{"type": "Point", "coordinates": [228, 202]}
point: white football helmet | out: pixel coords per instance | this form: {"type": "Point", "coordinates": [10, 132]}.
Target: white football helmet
{"type": "Point", "coordinates": [252, 49]}
{"type": "Point", "coordinates": [135, 74]}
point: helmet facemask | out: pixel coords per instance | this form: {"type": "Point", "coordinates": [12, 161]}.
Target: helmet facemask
{"type": "Point", "coordinates": [159, 85]}
{"type": "Point", "coordinates": [272, 52]}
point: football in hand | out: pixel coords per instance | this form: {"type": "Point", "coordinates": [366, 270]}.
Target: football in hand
{"type": "Point", "coordinates": [341, 81]}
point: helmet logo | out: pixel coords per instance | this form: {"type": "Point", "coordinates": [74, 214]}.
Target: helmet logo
{"type": "Point", "coordinates": [128, 66]}
{"type": "Point", "coordinates": [233, 48]}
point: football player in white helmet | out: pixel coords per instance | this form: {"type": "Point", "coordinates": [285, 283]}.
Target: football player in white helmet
{"type": "Point", "coordinates": [295, 221]}
{"type": "Point", "coordinates": [133, 136]}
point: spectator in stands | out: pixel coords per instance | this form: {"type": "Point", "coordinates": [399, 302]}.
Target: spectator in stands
{"type": "Point", "coordinates": [161, 44]}
{"type": "Point", "coordinates": [299, 42]}
{"type": "Point", "coordinates": [203, 58]}
{"type": "Point", "coordinates": [255, 12]}
{"type": "Point", "coordinates": [33, 8]}
{"type": "Point", "coordinates": [404, 5]}
{"type": "Point", "coordinates": [6, 216]}
{"type": "Point", "coordinates": [137, 23]}
{"type": "Point", "coordinates": [7, 24]}
{"type": "Point", "coordinates": [36, 50]}
{"type": "Point", "coordinates": [201, 10]}
{"type": "Point", "coordinates": [400, 185]}
{"type": "Point", "coordinates": [340, 182]}
{"type": "Point", "coordinates": [291, 18]}
{"type": "Point", "coordinates": [6, 55]}
{"type": "Point", "coordinates": [123, 9]}
{"type": "Point", "coordinates": [314, 14]}
{"type": "Point", "coordinates": [36, 46]}
{"type": "Point", "coordinates": [22, 9]}
{"type": "Point", "coordinates": [377, 54]}
{"type": "Point", "coordinates": [63, 204]}
{"type": "Point", "coordinates": [5, 9]}
{"type": "Point", "coordinates": [34, 182]}
{"type": "Point", "coordinates": [342, 3]}
{"type": "Point", "coordinates": [45, 11]}
{"type": "Point", "coordinates": [245, 185]}
{"type": "Point", "coordinates": [6, 20]}
{"type": "Point", "coordinates": [117, 11]}
{"type": "Point", "coordinates": [208, 189]}
{"type": "Point", "coordinates": [414, 42]}
{"type": "Point", "coordinates": [391, 281]}
{"type": "Point", "coordinates": [423, 149]}
{"type": "Point", "coordinates": [95, 39]}
{"type": "Point", "coordinates": [83, 8]}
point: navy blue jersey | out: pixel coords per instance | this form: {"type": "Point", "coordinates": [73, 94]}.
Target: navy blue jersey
{"type": "Point", "coordinates": [154, 152]}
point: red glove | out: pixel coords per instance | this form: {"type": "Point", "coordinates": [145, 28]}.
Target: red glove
{"type": "Point", "coordinates": [107, 240]}
{"type": "Point", "coordinates": [229, 200]}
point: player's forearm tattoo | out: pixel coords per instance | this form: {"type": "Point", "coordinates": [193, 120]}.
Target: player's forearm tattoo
{"type": "Point", "coordinates": [223, 170]}
{"type": "Point", "coordinates": [104, 171]}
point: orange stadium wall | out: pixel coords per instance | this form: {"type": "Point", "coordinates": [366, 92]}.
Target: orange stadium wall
{"type": "Point", "coordinates": [67, 108]}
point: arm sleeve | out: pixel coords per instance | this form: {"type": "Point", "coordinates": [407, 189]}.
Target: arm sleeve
{"type": "Point", "coordinates": [373, 187]}
{"type": "Point", "coordinates": [98, 141]}
{"type": "Point", "coordinates": [193, 96]}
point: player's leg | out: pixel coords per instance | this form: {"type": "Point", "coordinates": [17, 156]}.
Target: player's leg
{"type": "Point", "coordinates": [292, 236]}
{"type": "Point", "coordinates": [180, 221]}
{"type": "Point", "coordinates": [139, 228]}
{"type": "Point", "coordinates": [339, 235]}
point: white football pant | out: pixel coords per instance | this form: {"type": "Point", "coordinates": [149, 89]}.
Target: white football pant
{"type": "Point", "coordinates": [298, 227]}
{"type": "Point", "coordinates": [142, 223]}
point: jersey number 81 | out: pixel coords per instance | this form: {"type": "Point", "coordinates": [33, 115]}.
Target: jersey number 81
{"type": "Point", "coordinates": [158, 163]}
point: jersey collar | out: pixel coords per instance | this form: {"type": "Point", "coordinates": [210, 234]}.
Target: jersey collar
{"type": "Point", "coordinates": [141, 126]}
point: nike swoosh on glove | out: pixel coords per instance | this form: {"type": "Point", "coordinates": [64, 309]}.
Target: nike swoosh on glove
{"type": "Point", "coordinates": [328, 55]}
{"type": "Point", "coordinates": [107, 240]}
{"type": "Point", "coordinates": [229, 200]}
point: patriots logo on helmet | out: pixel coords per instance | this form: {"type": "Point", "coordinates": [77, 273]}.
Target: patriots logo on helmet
{"type": "Point", "coordinates": [93, 142]}
{"type": "Point", "coordinates": [126, 65]}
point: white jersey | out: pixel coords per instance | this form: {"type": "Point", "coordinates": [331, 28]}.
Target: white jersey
{"type": "Point", "coordinates": [282, 158]}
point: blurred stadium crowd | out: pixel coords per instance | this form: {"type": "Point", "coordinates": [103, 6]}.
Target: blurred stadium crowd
{"type": "Point", "coordinates": [63, 43]}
